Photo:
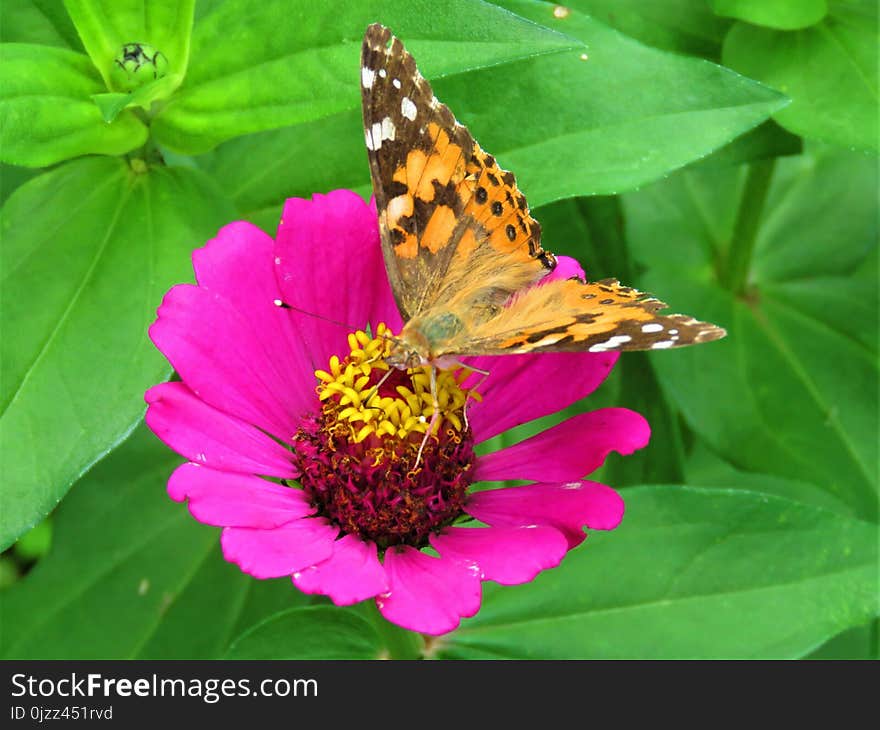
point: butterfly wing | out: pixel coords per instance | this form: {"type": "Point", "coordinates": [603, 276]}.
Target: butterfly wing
{"type": "Point", "coordinates": [574, 315]}
{"type": "Point", "coordinates": [462, 252]}
{"type": "Point", "coordinates": [448, 214]}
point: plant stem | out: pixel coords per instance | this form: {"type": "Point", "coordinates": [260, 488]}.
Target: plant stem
{"type": "Point", "coordinates": [745, 230]}
{"type": "Point", "coordinates": [401, 644]}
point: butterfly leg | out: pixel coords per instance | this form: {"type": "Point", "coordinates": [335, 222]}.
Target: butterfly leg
{"type": "Point", "coordinates": [480, 371]}
{"type": "Point", "coordinates": [435, 415]}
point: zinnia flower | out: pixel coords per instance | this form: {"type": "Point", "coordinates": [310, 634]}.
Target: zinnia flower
{"type": "Point", "coordinates": [311, 470]}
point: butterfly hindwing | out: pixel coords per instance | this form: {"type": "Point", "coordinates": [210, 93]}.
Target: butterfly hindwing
{"type": "Point", "coordinates": [449, 216]}
{"type": "Point", "coordinates": [573, 315]}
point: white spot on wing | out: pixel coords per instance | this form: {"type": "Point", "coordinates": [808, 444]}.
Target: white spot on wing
{"type": "Point", "coordinates": [548, 340]}
{"type": "Point", "coordinates": [396, 83]}
{"type": "Point", "coordinates": [611, 343]}
{"type": "Point", "coordinates": [367, 77]}
{"type": "Point", "coordinates": [662, 345]}
{"type": "Point", "coordinates": [652, 327]}
{"type": "Point", "coordinates": [379, 132]}
{"type": "Point", "coordinates": [407, 108]}
{"type": "Point", "coordinates": [382, 73]}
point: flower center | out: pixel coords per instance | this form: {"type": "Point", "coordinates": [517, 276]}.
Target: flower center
{"type": "Point", "coordinates": [359, 455]}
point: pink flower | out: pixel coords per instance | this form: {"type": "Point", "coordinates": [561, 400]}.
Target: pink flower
{"type": "Point", "coordinates": [270, 392]}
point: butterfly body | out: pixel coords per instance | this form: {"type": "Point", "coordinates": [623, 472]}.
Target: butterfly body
{"type": "Point", "coordinates": [462, 252]}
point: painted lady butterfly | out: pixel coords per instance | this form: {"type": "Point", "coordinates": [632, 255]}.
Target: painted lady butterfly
{"type": "Point", "coordinates": [462, 252]}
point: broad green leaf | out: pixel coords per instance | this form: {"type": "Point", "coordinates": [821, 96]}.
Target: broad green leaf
{"type": "Point", "coordinates": [779, 14]}
{"type": "Point", "coordinates": [829, 70]}
{"type": "Point", "coordinates": [105, 26]}
{"type": "Point", "coordinates": [88, 250]}
{"type": "Point", "coordinates": [317, 632]}
{"type": "Point", "coordinates": [792, 390]}
{"type": "Point", "coordinates": [37, 21]}
{"type": "Point", "coordinates": [131, 574]}
{"type": "Point", "coordinates": [46, 115]}
{"type": "Point", "coordinates": [690, 574]}
{"type": "Point", "coordinates": [587, 138]}
{"type": "Point", "coordinates": [248, 77]}
{"type": "Point", "coordinates": [703, 466]}
{"type": "Point", "coordinates": [682, 26]}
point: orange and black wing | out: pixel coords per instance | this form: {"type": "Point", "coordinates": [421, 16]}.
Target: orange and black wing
{"type": "Point", "coordinates": [449, 216]}
{"type": "Point", "coordinates": [571, 315]}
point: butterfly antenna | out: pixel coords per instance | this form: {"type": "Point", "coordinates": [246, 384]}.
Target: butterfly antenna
{"type": "Point", "coordinates": [284, 305]}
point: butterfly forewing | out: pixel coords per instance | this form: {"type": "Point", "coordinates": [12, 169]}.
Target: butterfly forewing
{"type": "Point", "coordinates": [462, 252]}
{"type": "Point", "coordinates": [444, 204]}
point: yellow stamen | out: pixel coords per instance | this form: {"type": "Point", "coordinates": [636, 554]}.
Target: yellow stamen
{"type": "Point", "coordinates": [355, 405]}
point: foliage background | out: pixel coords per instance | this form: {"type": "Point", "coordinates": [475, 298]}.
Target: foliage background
{"type": "Point", "coordinates": [719, 153]}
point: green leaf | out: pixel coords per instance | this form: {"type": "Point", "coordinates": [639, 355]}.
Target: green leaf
{"type": "Point", "coordinates": [105, 26]}
{"type": "Point", "coordinates": [258, 78]}
{"type": "Point", "coordinates": [88, 251]}
{"type": "Point", "coordinates": [12, 177]}
{"type": "Point", "coordinates": [829, 70]}
{"type": "Point", "coordinates": [111, 104]}
{"type": "Point", "coordinates": [682, 26]}
{"type": "Point", "coordinates": [46, 115]}
{"type": "Point", "coordinates": [779, 14]}
{"type": "Point", "coordinates": [131, 574]}
{"type": "Point", "coordinates": [691, 573]}
{"type": "Point", "coordinates": [37, 21]}
{"type": "Point", "coordinates": [588, 138]}
{"type": "Point", "coordinates": [764, 142]}
{"type": "Point", "coordinates": [317, 632]}
{"type": "Point", "coordinates": [859, 643]}
{"type": "Point", "coordinates": [792, 390]}
{"type": "Point", "coordinates": [703, 466]}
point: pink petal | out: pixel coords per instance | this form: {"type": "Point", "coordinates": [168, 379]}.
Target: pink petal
{"type": "Point", "coordinates": [426, 594]}
{"type": "Point", "coordinates": [569, 450]}
{"type": "Point", "coordinates": [507, 555]}
{"type": "Point", "coordinates": [569, 507]}
{"type": "Point", "coordinates": [279, 552]}
{"type": "Point", "coordinates": [226, 499]}
{"type": "Point", "coordinates": [352, 574]}
{"type": "Point", "coordinates": [521, 388]}
{"type": "Point", "coordinates": [329, 263]}
{"type": "Point", "coordinates": [238, 264]}
{"type": "Point", "coordinates": [221, 357]}
{"type": "Point", "coordinates": [203, 434]}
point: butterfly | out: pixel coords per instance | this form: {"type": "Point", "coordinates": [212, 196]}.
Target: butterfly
{"type": "Point", "coordinates": [463, 254]}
